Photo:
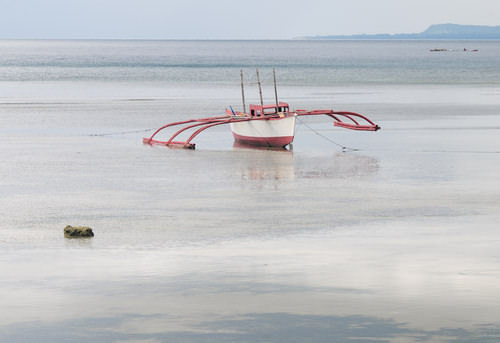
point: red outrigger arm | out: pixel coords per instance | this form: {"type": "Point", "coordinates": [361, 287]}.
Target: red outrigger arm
{"type": "Point", "coordinates": [355, 125]}
{"type": "Point", "coordinates": [205, 123]}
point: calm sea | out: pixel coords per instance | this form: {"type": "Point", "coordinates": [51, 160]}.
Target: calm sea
{"type": "Point", "coordinates": [394, 239]}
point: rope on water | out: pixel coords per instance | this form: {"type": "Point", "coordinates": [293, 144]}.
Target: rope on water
{"type": "Point", "coordinates": [119, 133]}
{"type": "Point", "coordinates": [344, 148]}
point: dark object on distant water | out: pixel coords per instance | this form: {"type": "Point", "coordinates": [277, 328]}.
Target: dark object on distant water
{"type": "Point", "coordinates": [77, 231]}
{"type": "Point", "coordinates": [442, 49]}
{"type": "Point", "coordinates": [439, 31]}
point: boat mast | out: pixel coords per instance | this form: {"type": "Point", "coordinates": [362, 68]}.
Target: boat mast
{"type": "Point", "coordinates": [260, 89]}
{"type": "Point", "coordinates": [275, 91]}
{"type": "Point", "coordinates": [242, 91]}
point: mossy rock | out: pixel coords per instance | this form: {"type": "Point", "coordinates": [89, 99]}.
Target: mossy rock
{"type": "Point", "coordinates": [77, 231]}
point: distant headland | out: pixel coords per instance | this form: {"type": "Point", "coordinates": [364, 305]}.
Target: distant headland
{"type": "Point", "coordinates": [438, 31]}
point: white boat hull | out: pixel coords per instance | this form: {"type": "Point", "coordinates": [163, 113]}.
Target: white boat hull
{"type": "Point", "coordinates": [272, 132]}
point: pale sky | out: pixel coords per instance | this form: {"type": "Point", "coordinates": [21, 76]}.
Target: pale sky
{"type": "Point", "coordinates": [232, 19]}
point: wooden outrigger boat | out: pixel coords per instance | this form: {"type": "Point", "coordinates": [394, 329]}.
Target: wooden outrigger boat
{"type": "Point", "coordinates": [264, 125]}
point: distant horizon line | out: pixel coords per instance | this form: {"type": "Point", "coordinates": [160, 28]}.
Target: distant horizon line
{"type": "Point", "coordinates": [307, 38]}
{"type": "Point", "coordinates": [438, 32]}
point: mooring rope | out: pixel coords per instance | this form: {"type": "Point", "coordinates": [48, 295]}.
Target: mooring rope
{"type": "Point", "coordinates": [344, 148]}
{"type": "Point", "coordinates": [119, 133]}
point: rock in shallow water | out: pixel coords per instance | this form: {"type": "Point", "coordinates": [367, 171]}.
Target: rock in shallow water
{"type": "Point", "coordinates": [77, 231]}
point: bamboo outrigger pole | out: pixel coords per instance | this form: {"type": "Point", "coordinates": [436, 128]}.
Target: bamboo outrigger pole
{"type": "Point", "coordinates": [242, 91]}
{"type": "Point", "coordinates": [260, 88]}
{"type": "Point", "coordinates": [275, 91]}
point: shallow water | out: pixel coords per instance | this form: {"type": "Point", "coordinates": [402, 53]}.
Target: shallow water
{"type": "Point", "coordinates": [394, 242]}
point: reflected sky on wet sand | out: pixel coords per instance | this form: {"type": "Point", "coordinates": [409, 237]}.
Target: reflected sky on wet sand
{"type": "Point", "coordinates": [395, 242]}
{"type": "Point", "coordinates": [272, 327]}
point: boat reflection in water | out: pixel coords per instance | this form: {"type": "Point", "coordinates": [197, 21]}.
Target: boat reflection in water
{"type": "Point", "coordinates": [341, 166]}
{"type": "Point", "coordinates": [261, 163]}
{"type": "Point", "coordinates": [264, 163]}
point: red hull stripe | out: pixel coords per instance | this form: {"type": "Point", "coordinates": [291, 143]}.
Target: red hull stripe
{"type": "Point", "coordinates": [264, 141]}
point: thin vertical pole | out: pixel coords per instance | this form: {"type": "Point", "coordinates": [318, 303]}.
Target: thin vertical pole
{"type": "Point", "coordinates": [275, 90]}
{"type": "Point", "coordinates": [260, 89]}
{"type": "Point", "coordinates": [242, 91]}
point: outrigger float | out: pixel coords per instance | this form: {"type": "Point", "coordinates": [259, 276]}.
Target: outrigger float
{"type": "Point", "coordinates": [270, 126]}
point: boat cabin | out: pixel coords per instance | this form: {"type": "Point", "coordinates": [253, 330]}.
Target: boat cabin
{"type": "Point", "coordinates": [269, 110]}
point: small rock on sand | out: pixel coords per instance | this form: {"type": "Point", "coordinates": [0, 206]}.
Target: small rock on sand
{"type": "Point", "coordinates": [77, 231]}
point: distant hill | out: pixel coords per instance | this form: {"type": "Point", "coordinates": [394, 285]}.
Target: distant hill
{"type": "Point", "coordinates": [439, 31]}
